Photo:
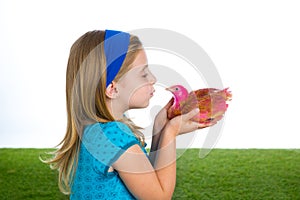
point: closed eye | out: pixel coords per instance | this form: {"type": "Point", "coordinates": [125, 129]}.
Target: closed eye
{"type": "Point", "coordinates": [145, 70]}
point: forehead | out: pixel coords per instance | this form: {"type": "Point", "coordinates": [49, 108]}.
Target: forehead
{"type": "Point", "coordinates": [137, 67]}
{"type": "Point", "coordinates": [140, 60]}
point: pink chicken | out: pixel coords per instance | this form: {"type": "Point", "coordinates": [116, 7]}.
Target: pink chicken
{"type": "Point", "coordinates": [212, 103]}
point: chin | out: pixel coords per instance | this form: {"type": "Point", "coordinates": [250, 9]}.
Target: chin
{"type": "Point", "coordinates": [139, 106]}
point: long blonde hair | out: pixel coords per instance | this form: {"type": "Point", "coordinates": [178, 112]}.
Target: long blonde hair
{"type": "Point", "coordinates": [85, 95]}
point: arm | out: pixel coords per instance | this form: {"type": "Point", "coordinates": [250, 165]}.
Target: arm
{"type": "Point", "coordinates": [142, 179]}
{"type": "Point", "coordinates": [159, 124]}
{"type": "Point", "coordinates": [147, 181]}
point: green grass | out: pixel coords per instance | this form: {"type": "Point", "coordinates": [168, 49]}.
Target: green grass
{"type": "Point", "coordinates": [223, 174]}
{"type": "Point", "coordinates": [239, 174]}
{"type": "Point", "coordinates": [23, 176]}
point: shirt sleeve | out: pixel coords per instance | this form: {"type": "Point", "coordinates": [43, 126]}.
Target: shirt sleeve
{"type": "Point", "coordinates": [107, 142]}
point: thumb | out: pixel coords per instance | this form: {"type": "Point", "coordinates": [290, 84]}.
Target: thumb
{"type": "Point", "coordinates": [191, 114]}
{"type": "Point", "coordinates": [169, 104]}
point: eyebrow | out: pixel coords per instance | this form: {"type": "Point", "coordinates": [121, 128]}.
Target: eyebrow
{"type": "Point", "coordinates": [144, 67]}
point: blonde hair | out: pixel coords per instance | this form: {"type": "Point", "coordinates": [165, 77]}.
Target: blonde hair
{"type": "Point", "coordinates": [85, 95]}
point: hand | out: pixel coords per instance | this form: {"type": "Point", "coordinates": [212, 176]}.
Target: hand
{"type": "Point", "coordinates": [161, 118]}
{"type": "Point", "coordinates": [184, 124]}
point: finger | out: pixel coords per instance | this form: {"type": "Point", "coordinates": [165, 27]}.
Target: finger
{"type": "Point", "coordinates": [197, 125]}
{"type": "Point", "coordinates": [216, 119]}
{"type": "Point", "coordinates": [206, 124]}
{"type": "Point", "coordinates": [190, 114]}
{"type": "Point", "coordinates": [169, 104]}
{"type": "Point", "coordinates": [211, 123]}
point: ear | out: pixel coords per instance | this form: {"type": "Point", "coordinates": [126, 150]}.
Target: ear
{"type": "Point", "coordinates": [111, 91]}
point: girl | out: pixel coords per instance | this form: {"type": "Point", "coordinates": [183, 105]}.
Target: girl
{"type": "Point", "coordinates": [102, 155]}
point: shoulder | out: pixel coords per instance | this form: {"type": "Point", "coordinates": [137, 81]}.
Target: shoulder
{"type": "Point", "coordinates": [106, 142]}
{"type": "Point", "coordinates": [116, 126]}
{"type": "Point", "coordinates": [114, 132]}
{"type": "Point", "coordinates": [108, 126]}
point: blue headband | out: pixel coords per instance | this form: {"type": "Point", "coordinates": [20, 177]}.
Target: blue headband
{"type": "Point", "coordinates": [115, 46]}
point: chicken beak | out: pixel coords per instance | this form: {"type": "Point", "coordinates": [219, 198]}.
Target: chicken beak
{"type": "Point", "coordinates": [169, 89]}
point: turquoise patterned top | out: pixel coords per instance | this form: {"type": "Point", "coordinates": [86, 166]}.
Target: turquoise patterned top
{"type": "Point", "coordinates": [102, 144]}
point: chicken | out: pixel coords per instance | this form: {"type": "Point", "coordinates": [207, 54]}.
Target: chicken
{"type": "Point", "coordinates": [212, 103]}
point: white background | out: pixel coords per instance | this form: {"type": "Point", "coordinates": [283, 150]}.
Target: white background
{"type": "Point", "coordinates": [255, 46]}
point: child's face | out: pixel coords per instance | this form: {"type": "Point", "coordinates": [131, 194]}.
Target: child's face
{"type": "Point", "coordinates": [136, 86]}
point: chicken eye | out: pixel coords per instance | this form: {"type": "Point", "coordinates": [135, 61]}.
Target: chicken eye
{"type": "Point", "coordinates": [176, 89]}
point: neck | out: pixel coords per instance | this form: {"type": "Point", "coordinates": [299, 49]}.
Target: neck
{"type": "Point", "coordinates": [116, 109]}
{"type": "Point", "coordinates": [178, 99]}
{"type": "Point", "coordinates": [176, 103]}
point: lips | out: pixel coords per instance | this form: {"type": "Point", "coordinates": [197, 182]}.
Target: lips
{"type": "Point", "coordinates": [152, 93]}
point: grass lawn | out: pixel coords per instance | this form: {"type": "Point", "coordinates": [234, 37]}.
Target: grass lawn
{"type": "Point", "coordinates": [223, 174]}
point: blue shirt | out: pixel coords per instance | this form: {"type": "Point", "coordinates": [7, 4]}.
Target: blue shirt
{"type": "Point", "coordinates": [101, 145]}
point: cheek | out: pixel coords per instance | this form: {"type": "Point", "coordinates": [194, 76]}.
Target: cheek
{"type": "Point", "coordinates": [142, 91]}
{"type": "Point", "coordinates": [133, 85]}
{"type": "Point", "coordinates": [140, 96]}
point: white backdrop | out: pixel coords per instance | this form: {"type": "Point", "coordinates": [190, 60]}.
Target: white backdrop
{"type": "Point", "coordinates": [255, 46]}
